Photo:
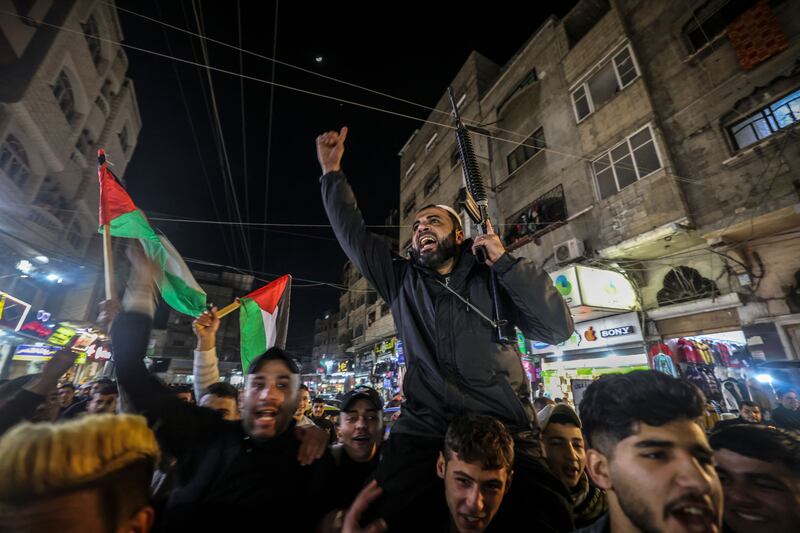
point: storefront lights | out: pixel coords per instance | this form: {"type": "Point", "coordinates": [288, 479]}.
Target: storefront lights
{"type": "Point", "coordinates": [25, 266]}
{"type": "Point", "coordinates": [764, 378]}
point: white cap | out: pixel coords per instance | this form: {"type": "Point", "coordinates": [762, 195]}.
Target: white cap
{"type": "Point", "coordinates": [451, 211]}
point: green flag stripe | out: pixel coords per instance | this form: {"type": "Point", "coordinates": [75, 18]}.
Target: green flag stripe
{"type": "Point", "coordinates": [133, 225]}
{"type": "Point", "coordinates": [251, 329]}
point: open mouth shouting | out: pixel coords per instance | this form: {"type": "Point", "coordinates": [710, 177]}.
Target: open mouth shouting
{"type": "Point", "coordinates": [694, 516]}
{"type": "Point", "coordinates": [265, 418]}
{"type": "Point", "coordinates": [426, 243]}
{"type": "Point", "coordinates": [362, 440]}
{"type": "Point", "coordinates": [471, 522]}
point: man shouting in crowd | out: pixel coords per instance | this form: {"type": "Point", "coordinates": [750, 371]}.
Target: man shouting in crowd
{"type": "Point", "coordinates": [441, 303]}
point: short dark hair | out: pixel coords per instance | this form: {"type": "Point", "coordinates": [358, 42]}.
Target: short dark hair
{"type": "Point", "coordinates": [319, 399]}
{"type": "Point", "coordinates": [271, 354]}
{"type": "Point", "coordinates": [541, 402]}
{"type": "Point", "coordinates": [480, 439]}
{"type": "Point", "coordinates": [765, 443]}
{"type": "Point", "coordinates": [613, 406]}
{"type": "Point", "coordinates": [104, 380]}
{"type": "Point", "coordinates": [223, 390]}
{"type": "Point", "coordinates": [66, 385]}
{"type": "Point", "coordinates": [303, 386]}
{"type": "Point", "coordinates": [179, 388]}
{"type": "Point", "coordinates": [106, 389]}
{"type": "Point", "coordinates": [566, 420]}
{"type": "Point", "coordinates": [454, 219]}
{"type": "Point", "coordinates": [748, 403]}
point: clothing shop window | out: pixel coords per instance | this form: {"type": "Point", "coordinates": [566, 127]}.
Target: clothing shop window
{"type": "Point", "coordinates": [767, 121]}
{"type": "Point", "coordinates": [609, 79]}
{"type": "Point", "coordinates": [626, 163]}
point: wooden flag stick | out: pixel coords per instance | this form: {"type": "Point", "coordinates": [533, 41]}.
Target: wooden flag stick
{"type": "Point", "coordinates": [228, 309]}
{"type": "Point", "coordinates": [108, 262]}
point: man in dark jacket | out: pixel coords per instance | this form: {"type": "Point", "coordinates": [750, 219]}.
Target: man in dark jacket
{"type": "Point", "coordinates": [442, 307]}
{"type": "Point", "coordinates": [787, 414]}
{"type": "Point", "coordinates": [227, 471]}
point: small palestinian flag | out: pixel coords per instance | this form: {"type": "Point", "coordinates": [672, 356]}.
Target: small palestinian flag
{"type": "Point", "coordinates": [177, 285]}
{"type": "Point", "coordinates": [264, 319]}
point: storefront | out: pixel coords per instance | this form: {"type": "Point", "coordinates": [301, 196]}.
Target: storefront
{"type": "Point", "coordinates": [704, 341]}
{"type": "Point", "coordinates": [613, 344]}
{"type": "Point", "coordinates": [607, 338]}
{"type": "Point", "coordinates": [387, 375]}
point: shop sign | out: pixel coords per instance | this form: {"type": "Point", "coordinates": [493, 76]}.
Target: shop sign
{"type": "Point", "coordinates": [343, 366]}
{"type": "Point", "coordinates": [386, 346]}
{"type": "Point", "coordinates": [601, 333]}
{"type": "Point", "coordinates": [35, 328]}
{"type": "Point", "coordinates": [34, 352]}
{"type": "Point", "coordinates": [85, 340]}
{"type": "Point", "coordinates": [401, 358]}
{"type": "Point", "coordinates": [61, 336]}
{"type": "Point", "coordinates": [616, 332]}
{"type": "Point", "coordinates": [594, 287]}
{"type": "Point", "coordinates": [99, 351]}
{"type": "Point", "coordinates": [521, 343]}
{"type": "Point", "coordinates": [12, 311]}
{"type": "Point", "coordinates": [41, 352]}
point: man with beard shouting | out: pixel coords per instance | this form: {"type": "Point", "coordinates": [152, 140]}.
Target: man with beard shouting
{"type": "Point", "coordinates": [441, 303]}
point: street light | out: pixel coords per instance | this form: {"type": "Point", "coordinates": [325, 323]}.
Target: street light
{"type": "Point", "coordinates": [43, 259]}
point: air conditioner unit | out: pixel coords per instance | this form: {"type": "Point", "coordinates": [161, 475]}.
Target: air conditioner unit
{"type": "Point", "coordinates": [568, 251]}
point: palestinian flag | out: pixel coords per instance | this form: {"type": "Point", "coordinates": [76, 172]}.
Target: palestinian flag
{"type": "Point", "coordinates": [264, 319]}
{"type": "Point", "coordinates": [177, 285]}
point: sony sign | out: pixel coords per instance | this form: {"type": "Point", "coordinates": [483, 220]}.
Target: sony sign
{"type": "Point", "coordinates": [616, 332]}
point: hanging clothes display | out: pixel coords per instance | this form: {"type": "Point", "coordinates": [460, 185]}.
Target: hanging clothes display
{"type": "Point", "coordinates": [663, 360]}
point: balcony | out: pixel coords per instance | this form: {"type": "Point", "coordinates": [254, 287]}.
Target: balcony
{"type": "Point", "coordinates": [541, 216]}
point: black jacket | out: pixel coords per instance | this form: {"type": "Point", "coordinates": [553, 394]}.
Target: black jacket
{"type": "Point", "coordinates": [453, 363]}
{"type": "Point", "coordinates": [224, 478]}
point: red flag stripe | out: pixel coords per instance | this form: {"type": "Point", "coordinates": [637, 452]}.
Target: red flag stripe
{"type": "Point", "coordinates": [114, 201]}
{"type": "Point", "coordinates": [269, 296]}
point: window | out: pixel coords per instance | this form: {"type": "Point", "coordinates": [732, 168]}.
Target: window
{"type": "Point", "coordinates": [431, 142]}
{"type": "Point", "coordinates": [612, 77]}
{"type": "Point", "coordinates": [358, 331]}
{"type": "Point", "coordinates": [85, 143]}
{"type": "Point", "coordinates": [529, 148]}
{"type": "Point", "coordinates": [370, 318]}
{"type": "Point", "coordinates": [766, 121]}
{"type": "Point", "coordinates": [410, 169]}
{"type": "Point", "coordinates": [384, 309]}
{"type": "Point", "coordinates": [455, 157]}
{"type": "Point", "coordinates": [123, 139]}
{"type": "Point", "coordinates": [431, 183]}
{"type": "Point", "coordinates": [62, 90]}
{"type": "Point", "coordinates": [409, 208]}
{"type": "Point", "coordinates": [710, 21]}
{"type": "Point", "coordinates": [91, 34]}
{"type": "Point", "coordinates": [629, 161]}
{"type": "Point", "coordinates": [74, 235]}
{"type": "Point", "coordinates": [14, 161]}
{"type": "Point", "coordinates": [101, 103]}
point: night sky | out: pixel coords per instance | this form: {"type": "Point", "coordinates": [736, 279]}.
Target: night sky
{"type": "Point", "coordinates": [411, 53]}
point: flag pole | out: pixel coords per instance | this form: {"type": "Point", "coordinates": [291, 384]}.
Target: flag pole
{"type": "Point", "coordinates": [228, 309]}
{"type": "Point", "coordinates": [108, 262]}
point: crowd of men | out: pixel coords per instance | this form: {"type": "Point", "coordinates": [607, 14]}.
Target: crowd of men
{"type": "Point", "coordinates": [472, 450]}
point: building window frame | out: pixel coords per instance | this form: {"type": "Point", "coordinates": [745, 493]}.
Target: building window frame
{"type": "Point", "coordinates": [600, 66]}
{"type": "Point", "coordinates": [14, 161]}
{"type": "Point", "coordinates": [91, 32]}
{"type": "Point", "coordinates": [611, 161]}
{"type": "Point", "coordinates": [766, 116]}
{"type": "Point", "coordinates": [534, 144]}
{"type": "Point", "coordinates": [431, 183]}
{"type": "Point", "coordinates": [64, 93]}
{"type": "Point", "coordinates": [409, 206]}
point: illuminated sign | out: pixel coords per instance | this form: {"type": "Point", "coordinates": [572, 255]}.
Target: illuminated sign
{"type": "Point", "coordinates": [84, 341]}
{"type": "Point", "coordinates": [601, 333]}
{"type": "Point", "coordinates": [12, 311]}
{"type": "Point", "coordinates": [616, 332]}
{"type": "Point", "coordinates": [99, 351]}
{"type": "Point", "coordinates": [583, 286]}
{"type": "Point", "coordinates": [40, 352]}
{"type": "Point", "coordinates": [62, 336]}
{"type": "Point", "coordinates": [36, 329]}
{"type": "Point", "coordinates": [34, 352]}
